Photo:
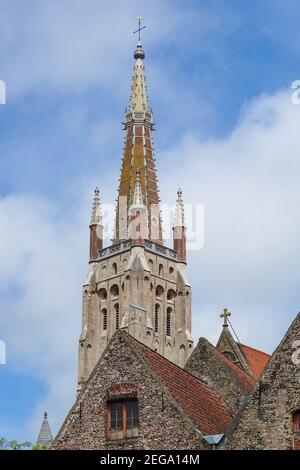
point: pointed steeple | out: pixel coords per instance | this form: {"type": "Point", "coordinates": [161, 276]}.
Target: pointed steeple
{"type": "Point", "coordinates": [139, 100]}
{"type": "Point", "coordinates": [137, 201]}
{"type": "Point", "coordinates": [96, 218]}
{"type": "Point", "coordinates": [179, 229]}
{"type": "Point", "coordinates": [96, 227]}
{"type": "Point", "coordinates": [45, 436]}
{"type": "Point", "coordinates": [179, 211]}
{"type": "Point", "coordinates": [138, 155]}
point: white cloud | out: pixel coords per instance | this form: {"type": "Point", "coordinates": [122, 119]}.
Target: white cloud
{"type": "Point", "coordinates": [70, 45]}
{"type": "Point", "coordinates": [42, 264]}
{"type": "Point", "coordinates": [249, 183]}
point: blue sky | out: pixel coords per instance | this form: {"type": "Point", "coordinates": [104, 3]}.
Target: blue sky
{"type": "Point", "coordinates": [219, 76]}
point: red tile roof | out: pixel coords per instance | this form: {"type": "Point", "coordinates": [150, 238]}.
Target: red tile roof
{"type": "Point", "coordinates": [197, 400]}
{"type": "Point", "coordinates": [245, 380]}
{"type": "Point", "coordinates": [256, 360]}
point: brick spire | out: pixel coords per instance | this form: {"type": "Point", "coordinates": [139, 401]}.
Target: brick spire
{"type": "Point", "coordinates": [138, 155]}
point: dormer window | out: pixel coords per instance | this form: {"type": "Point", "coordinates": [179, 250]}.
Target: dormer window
{"type": "Point", "coordinates": [123, 419]}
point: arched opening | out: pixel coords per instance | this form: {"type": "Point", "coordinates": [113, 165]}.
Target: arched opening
{"type": "Point", "coordinates": [102, 294]}
{"type": "Point", "coordinates": [171, 294]}
{"type": "Point", "coordinates": [114, 290]}
{"type": "Point", "coordinates": [156, 318]}
{"type": "Point", "coordinates": [161, 270]}
{"type": "Point", "coordinates": [230, 356]}
{"type": "Point", "coordinates": [159, 292]}
{"type": "Point", "coordinates": [117, 316]}
{"type": "Point", "coordinates": [168, 321]}
{"type": "Point", "coordinates": [171, 270]}
{"type": "Point", "coordinates": [169, 352]}
{"type": "Point", "coordinates": [182, 355]}
{"type": "Point", "coordinates": [104, 319]}
{"type": "Point", "coordinates": [115, 268]}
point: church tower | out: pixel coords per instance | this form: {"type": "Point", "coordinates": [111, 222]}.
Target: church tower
{"type": "Point", "coordinates": [137, 283]}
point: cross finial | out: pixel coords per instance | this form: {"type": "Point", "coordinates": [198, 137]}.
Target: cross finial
{"type": "Point", "coordinates": [225, 314]}
{"type": "Point", "coordinates": [140, 19]}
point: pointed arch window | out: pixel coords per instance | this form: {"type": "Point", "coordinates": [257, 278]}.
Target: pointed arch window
{"type": "Point", "coordinates": [115, 268]}
{"type": "Point", "coordinates": [161, 270]}
{"type": "Point", "coordinates": [156, 318]}
{"type": "Point", "coordinates": [104, 319]}
{"type": "Point", "coordinates": [168, 322]}
{"type": "Point", "coordinates": [117, 316]}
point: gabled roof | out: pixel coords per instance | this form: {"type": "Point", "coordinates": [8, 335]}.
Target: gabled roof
{"type": "Point", "coordinates": [256, 360]}
{"type": "Point", "coordinates": [202, 405]}
{"type": "Point", "coordinates": [246, 381]}
{"type": "Point", "coordinates": [250, 428]}
{"type": "Point", "coordinates": [251, 360]}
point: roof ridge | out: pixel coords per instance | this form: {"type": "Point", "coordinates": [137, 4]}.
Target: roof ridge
{"type": "Point", "coordinates": [230, 363]}
{"type": "Point", "coordinates": [254, 349]}
{"type": "Point", "coordinates": [168, 360]}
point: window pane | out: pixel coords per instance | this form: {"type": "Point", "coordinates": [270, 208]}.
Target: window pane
{"type": "Point", "coordinates": [116, 416]}
{"type": "Point", "coordinates": [131, 414]}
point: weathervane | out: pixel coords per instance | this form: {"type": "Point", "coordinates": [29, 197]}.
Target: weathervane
{"type": "Point", "coordinates": [140, 19]}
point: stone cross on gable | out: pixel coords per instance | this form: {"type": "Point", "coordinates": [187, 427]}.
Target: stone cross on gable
{"type": "Point", "coordinates": [225, 314]}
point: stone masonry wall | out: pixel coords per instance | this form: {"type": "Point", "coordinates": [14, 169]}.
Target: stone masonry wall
{"type": "Point", "coordinates": [204, 364]}
{"type": "Point", "coordinates": [266, 421]}
{"type": "Point", "coordinates": [161, 424]}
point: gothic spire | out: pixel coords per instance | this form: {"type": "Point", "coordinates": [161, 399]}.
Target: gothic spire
{"type": "Point", "coordinates": [139, 101]}
{"type": "Point", "coordinates": [138, 194]}
{"type": "Point", "coordinates": [45, 437]}
{"type": "Point", "coordinates": [96, 218]}
{"type": "Point", "coordinates": [138, 155]}
{"type": "Point", "coordinates": [179, 211]}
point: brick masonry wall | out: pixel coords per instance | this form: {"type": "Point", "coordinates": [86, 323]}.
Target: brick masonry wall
{"type": "Point", "coordinates": [120, 371]}
{"type": "Point", "coordinates": [266, 420]}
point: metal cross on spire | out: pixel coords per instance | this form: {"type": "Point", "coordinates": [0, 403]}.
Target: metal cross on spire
{"type": "Point", "coordinates": [226, 314]}
{"type": "Point", "coordinates": [140, 19]}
